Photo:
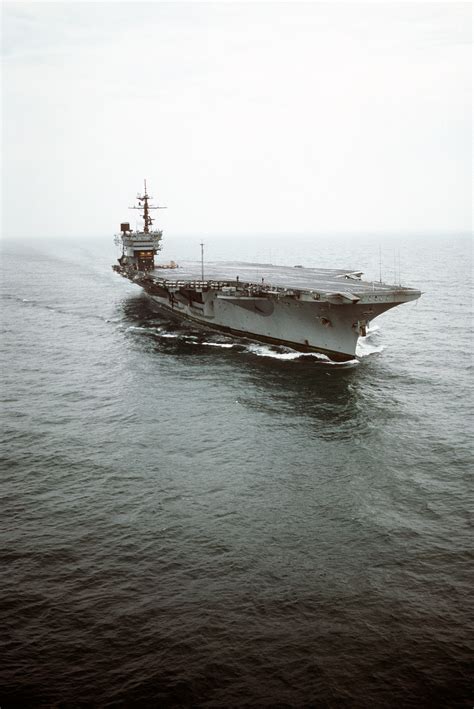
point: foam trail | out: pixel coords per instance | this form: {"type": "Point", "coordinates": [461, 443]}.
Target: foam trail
{"type": "Point", "coordinates": [292, 355]}
{"type": "Point", "coordinates": [224, 345]}
{"type": "Point", "coordinates": [282, 354]}
{"type": "Point", "coordinates": [136, 328]}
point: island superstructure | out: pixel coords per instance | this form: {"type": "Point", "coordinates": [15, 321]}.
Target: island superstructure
{"type": "Point", "coordinates": [306, 309]}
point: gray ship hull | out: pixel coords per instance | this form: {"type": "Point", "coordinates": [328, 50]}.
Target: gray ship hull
{"type": "Point", "coordinates": [285, 327]}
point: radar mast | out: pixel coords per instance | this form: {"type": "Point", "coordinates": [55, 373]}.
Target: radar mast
{"type": "Point", "coordinates": [146, 207]}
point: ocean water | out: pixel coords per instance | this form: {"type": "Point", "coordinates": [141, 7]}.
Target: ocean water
{"type": "Point", "coordinates": [190, 520]}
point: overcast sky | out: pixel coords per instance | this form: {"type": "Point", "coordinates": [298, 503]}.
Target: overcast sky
{"type": "Point", "coordinates": [244, 117]}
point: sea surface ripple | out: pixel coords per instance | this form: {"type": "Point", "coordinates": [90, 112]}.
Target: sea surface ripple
{"type": "Point", "coordinates": [190, 520]}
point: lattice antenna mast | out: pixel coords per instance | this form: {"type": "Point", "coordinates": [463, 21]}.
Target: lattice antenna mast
{"type": "Point", "coordinates": [143, 205]}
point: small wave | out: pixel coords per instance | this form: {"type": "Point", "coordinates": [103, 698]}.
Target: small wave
{"type": "Point", "coordinates": [19, 299]}
{"type": "Point", "coordinates": [140, 328]}
{"type": "Point", "coordinates": [153, 331]}
{"type": "Point", "coordinates": [70, 312]}
{"type": "Point", "coordinates": [365, 350]}
{"type": "Point", "coordinates": [293, 355]}
{"type": "Point", "coordinates": [224, 345]}
{"type": "Point", "coordinates": [264, 351]}
{"type": "Point", "coordinates": [370, 344]}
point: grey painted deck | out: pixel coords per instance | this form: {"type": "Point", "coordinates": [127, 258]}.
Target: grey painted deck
{"type": "Point", "coordinates": [317, 279]}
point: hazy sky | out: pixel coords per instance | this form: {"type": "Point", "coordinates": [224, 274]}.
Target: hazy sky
{"type": "Point", "coordinates": [245, 117]}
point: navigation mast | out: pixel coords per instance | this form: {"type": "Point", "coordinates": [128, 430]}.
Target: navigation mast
{"type": "Point", "coordinates": [143, 200]}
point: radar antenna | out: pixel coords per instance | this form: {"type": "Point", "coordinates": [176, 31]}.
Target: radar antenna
{"type": "Point", "coordinates": [143, 205]}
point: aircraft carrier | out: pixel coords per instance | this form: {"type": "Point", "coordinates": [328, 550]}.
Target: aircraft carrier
{"type": "Point", "coordinates": [306, 309]}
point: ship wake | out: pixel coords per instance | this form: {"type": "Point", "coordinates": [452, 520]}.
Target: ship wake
{"type": "Point", "coordinates": [166, 332]}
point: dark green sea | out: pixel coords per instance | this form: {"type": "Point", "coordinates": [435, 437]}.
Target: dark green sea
{"type": "Point", "coordinates": [189, 520]}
